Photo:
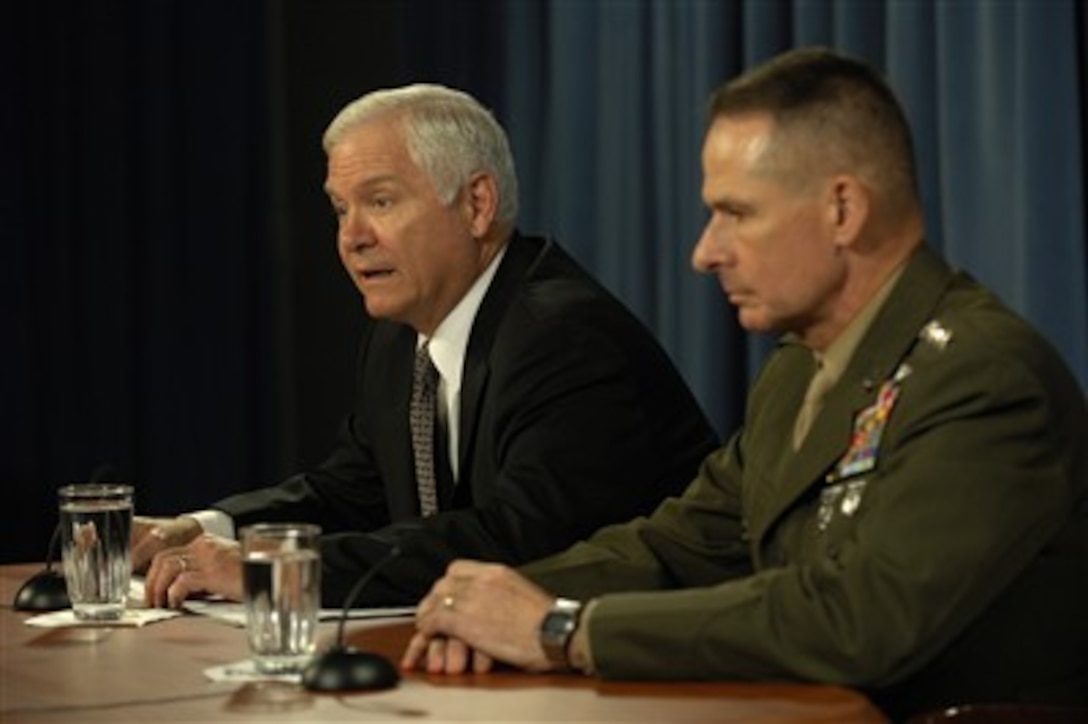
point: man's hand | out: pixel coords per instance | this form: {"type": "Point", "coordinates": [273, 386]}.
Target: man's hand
{"type": "Point", "coordinates": [151, 536]}
{"type": "Point", "coordinates": [209, 564]}
{"type": "Point", "coordinates": [476, 614]}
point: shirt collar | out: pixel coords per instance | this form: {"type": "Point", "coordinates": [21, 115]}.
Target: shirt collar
{"type": "Point", "coordinates": [450, 340]}
{"type": "Point", "coordinates": [837, 356]}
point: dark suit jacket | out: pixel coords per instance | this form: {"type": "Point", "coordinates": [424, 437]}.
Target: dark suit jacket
{"type": "Point", "coordinates": [572, 417]}
{"type": "Point", "coordinates": [933, 551]}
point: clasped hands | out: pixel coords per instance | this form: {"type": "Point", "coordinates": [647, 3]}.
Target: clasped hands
{"type": "Point", "coordinates": [478, 614]}
{"type": "Point", "coordinates": [182, 560]}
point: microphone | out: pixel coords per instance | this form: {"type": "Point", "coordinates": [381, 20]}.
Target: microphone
{"type": "Point", "coordinates": [345, 668]}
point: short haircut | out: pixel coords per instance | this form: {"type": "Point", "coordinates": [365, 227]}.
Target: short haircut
{"type": "Point", "coordinates": [448, 134]}
{"type": "Point", "coordinates": [831, 114]}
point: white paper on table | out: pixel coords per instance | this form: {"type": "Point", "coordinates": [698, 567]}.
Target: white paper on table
{"type": "Point", "coordinates": [235, 613]}
{"type": "Point", "coordinates": [131, 617]}
{"type": "Point", "coordinates": [135, 614]}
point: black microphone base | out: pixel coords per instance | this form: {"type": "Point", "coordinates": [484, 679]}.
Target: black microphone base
{"type": "Point", "coordinates": [44, 591]}
{"type": "Point", "coordinates": [347, 669]}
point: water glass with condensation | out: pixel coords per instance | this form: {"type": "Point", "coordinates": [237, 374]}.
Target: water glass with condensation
{"type": "Point", "coordinates": [95, 524]}
{"type": "Point", "coordinates": [282, 584]}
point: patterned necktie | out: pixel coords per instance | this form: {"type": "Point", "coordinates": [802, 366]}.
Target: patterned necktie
{"type": "Point", "coordinates": [421, 418]}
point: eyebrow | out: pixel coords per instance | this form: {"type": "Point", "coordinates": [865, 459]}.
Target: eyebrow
{"type": "Point", "coordinates": [366, 183]}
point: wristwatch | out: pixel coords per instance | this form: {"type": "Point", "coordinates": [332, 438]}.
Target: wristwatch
{"type": "Point", "coordinates": [557, 628]}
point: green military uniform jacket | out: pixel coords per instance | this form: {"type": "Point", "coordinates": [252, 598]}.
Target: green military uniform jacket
{"type": "Point", "coordinates": [928, 542]}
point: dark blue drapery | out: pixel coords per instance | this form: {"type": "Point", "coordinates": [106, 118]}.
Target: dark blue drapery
{"type": "Point", "coordinates": [605, 101]}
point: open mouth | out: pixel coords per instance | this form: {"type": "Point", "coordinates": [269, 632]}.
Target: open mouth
{"type": "Point", "coordinates": [375, 274]}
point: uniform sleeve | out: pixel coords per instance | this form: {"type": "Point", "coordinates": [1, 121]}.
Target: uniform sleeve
{"type": "Point", "coordinates": [663, 551]}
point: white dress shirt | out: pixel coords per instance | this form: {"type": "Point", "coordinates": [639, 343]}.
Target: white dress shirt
{"type": "Point", "coordinates": [448, 346]}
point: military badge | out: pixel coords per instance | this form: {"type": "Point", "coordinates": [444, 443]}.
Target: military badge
{"type": "Point", "coordinates": [861, 455]}
{"type": "Point", "coordinates": [936, 334]}
{"type": "Point", "coordinates": [869, 426]}
{"type": "Point", "coordinates": [846, 496]}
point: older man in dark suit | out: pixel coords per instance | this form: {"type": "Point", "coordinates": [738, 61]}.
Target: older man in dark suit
{"type": "Point", "coordinates": [557, 411]}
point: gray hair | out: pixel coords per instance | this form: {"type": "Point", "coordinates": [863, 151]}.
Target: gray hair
{"type": "Point", "coordinates": [448, 134]}
{"type": "Point", "coordinates": [837, 112]}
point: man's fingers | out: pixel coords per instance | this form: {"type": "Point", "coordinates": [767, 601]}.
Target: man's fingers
{"type": "Point", "coordinates": [416, 645]}
{"type": "Point", "coordinates": [166, 568]}
{"type": "Point", "coordinates": [181, 587]}
{"type": "Point", "coordinates": [481, 662]}
{"type": "Point", "coordinates": [415, 651]}
{"type": "Point", "coordinates": [457, 656]}
{"type": "Point", "coordinates": [436, 655]}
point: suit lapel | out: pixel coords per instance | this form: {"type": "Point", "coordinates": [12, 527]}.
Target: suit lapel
{"type": "Point", "coordinates": [521, 254]}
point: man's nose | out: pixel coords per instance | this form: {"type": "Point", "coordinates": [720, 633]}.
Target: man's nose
{"type": "Point", "coordinates": [708, 252]}
{"type": "Point", "coordinates": [355, 232]}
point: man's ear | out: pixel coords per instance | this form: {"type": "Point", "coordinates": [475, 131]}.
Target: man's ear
{"type": "Point", "coordinates": [481, 203]}
{"type": "Point", "coordinates": [848, 209]}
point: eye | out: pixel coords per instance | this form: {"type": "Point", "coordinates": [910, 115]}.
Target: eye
{"type": "Point", "coordinates": [381, 202]}
{"type": "Point", "coordinates": [734, 213]}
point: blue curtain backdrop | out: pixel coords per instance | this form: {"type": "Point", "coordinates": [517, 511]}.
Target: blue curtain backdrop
{"type": "Point", "coordinates": [170, 295]}
{"type": "Point", "coordinates": [605, 106]}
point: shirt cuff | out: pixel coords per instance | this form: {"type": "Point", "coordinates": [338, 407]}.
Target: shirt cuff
{"type": "Point", "coordinates": [214, 522]}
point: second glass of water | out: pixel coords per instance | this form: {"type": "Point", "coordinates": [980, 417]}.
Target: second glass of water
{"type": "Point", "coordinates": [282, 583]}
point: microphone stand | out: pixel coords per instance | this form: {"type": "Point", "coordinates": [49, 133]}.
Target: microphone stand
{"type": "Point", "coordinates": [345, 668]}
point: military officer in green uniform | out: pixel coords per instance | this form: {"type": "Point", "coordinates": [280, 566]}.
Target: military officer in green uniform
{"type": "Point", "coordinates": [904, 510]}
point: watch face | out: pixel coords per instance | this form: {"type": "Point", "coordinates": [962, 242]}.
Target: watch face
{"type": "Point", "coordinates": [558, 624]}
{"type": "Point", "coordinates": [557, 627]}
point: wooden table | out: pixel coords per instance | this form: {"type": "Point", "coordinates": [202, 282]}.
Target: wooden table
{"type": "Point", "coordinates": [155, 674]}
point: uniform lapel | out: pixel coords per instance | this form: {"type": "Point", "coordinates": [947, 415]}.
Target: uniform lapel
{"type": "Point", "coordinates": [889, 340]}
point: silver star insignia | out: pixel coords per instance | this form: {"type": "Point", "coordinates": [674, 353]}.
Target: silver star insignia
{"type": "Point", "coordinates": [936, 334]}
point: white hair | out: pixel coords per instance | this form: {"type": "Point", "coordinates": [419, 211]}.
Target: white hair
{"type": "Point", "coordinates": [448, 134]}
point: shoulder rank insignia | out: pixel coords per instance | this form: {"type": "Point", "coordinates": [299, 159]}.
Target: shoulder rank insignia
{"type": "Point", "coordinates": [936, 334]}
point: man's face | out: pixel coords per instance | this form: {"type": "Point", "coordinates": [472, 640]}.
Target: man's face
{"type": "Point", "coordinates": [410, 255]}
{"type": "Point", "coordinates": [770, 242]}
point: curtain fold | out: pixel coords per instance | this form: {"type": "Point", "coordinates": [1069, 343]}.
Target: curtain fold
{"type": "Point", "coordinates": [605, 103]}
{"type": "Point", "coordinates": [134, 250]}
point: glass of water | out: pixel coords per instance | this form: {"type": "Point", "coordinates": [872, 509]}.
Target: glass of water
{"type": "Point", "coordinates": [95, 524]}
{"type": "Point", "coordinates": [282, 583]}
